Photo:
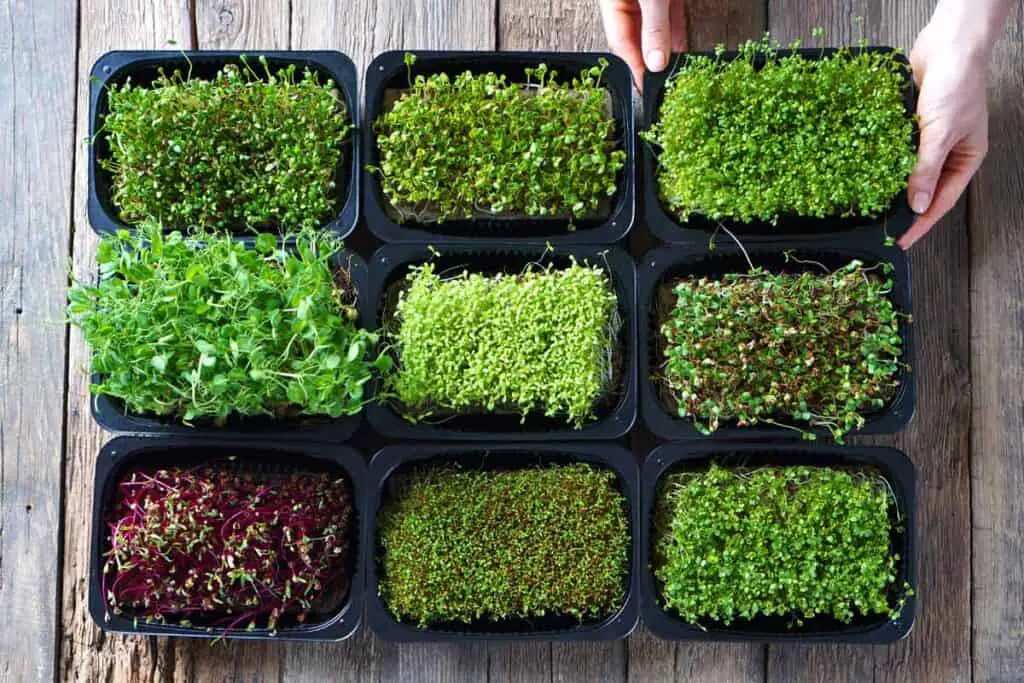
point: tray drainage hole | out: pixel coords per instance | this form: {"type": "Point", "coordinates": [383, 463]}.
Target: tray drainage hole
{"type": "Point", "coordinates": [106, 69]}
{"type": "Point", "coordinates": [380, 67]}
{"type": "Point", "coordinates": [653, 263]}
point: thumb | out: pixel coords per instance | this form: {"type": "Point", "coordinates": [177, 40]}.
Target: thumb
{"type": "Point", "coordinates": [656, 33]}
{"type": "Point", "coordinates": [936, 143]}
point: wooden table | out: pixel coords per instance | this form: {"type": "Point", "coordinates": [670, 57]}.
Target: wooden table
{"type": "Point", "coordinates": [967, 438]}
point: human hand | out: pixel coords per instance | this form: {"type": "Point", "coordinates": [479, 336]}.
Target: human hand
{"type": "Point", "coordinates": [950, 68]}
{"type": "Point", "coordinates": [644, 32]}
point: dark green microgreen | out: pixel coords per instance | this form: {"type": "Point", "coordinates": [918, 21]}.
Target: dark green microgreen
{"type": "Point", "coordinates": [479, 145]}
{"type": "Point", "coordinates": [811, 137]}
{"type": "Point", "coordinates": [818, 349]}
{"type": "Point", "coordinates": [242, 149]}
{"type": "Point", "coordinates": [788, 541]}
{"type": "Point", "coordinates": [202, 327]}
{"type": "Point", "coordinates": [475, 545]}
{"type": "Point", "coordinates": [541, 340]}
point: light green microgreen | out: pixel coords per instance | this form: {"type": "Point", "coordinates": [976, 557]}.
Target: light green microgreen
{"type": "Point", "coordinates": [540, 340]}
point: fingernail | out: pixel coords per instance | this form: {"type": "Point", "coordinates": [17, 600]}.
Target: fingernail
{"type": "Point", "coordinates": [656, 60]}
{"type": "Point", "coordinates": [920, 201]}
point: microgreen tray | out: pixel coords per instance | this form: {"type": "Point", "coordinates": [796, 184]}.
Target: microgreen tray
{"type": "Point", "coordinates": [388, 73]}
{"type": "Point", "coordinates": [667, 227]}
{"type": "Point", "coordinates": [263, 457]}
{"type": "Point", "coordinates": [142, 67]}
{"type": "Point", "coordinates": [615, 414]}
{"type": "Point", "coordinates": [891, 464]}
{"type": "Point", "coordinates": [665, 264]}
{"type": "Point", "coordinates": [110, 413]}
{"type": "Point", "coordinates": [393, 460]}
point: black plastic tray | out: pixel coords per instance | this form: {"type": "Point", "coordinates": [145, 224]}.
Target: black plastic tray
{"type": "Point", "coordinates": [109, 411]}
{"type": "Point", "coordinates": [893, 465]}
{"type": "Point", "coordinates": [142, 66]}
{"type": "Point", "coordinates": [389, 265]}
{"type": "Point", "coordinates": [666, 263]}
{"type": "Point", "coordinates": [265, 455]}
{"type": "Point", "coordinates": [393, 459]}
{"type": "Point", "coordinates": [388, 71]}
{"type": "Point", "coordinates": [668, 228]}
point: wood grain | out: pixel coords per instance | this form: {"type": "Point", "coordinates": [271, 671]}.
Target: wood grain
{"type": "Point", "coordinates": [37, 97]}
{"type": "Point", "coordinates": [937, 439]}
{"type": "Point", "coordinates": [361, 29]}
{"type": "Point", "coordinates": [86, 654]}
{"type": "Point", "coordinates": [364, 28]}
{"type": "Point", "coordinates": [711, 22]}
{"type": "Point", "coordinates": [997, 374]}
{"type": "Point", "coordinates": [240, 25]}
{"type": "Point", "coordinates": [708, 23]}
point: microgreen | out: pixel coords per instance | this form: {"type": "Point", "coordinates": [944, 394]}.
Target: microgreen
{"type": "Point", "coordinates": [471, 545]}
{"type": "Point", "coordinates": [762, 135]}
{"type": "Point", "coordinates": [204, 327]}
{"type": "Point", "coordinates": [790, 541]}
{"type": "Point", "coordinates": [540, 340]}
{"type": "Point", "coordinates": [242, 149]}
{"type": "Point", "coordinates": [821, 349]}
{"type": "Point", "coordinates": [226, 549]}
{"type": "Point", "coordinates": [478, 145]}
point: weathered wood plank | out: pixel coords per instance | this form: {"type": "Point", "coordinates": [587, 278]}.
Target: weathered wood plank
{"type": "Point", "coordinates": [86, 653]}
{"type": "Point", "coordinates": [567, 25]}
{"type": "Point", "coordinates": [37, 99]}
{"type": "Point", "coordinates": [708, 23]}
{"type": "Point", "coordinates": [238, 25]}
{"type": "Point", "coordinates": [711, 22]}
{"type": "Point", "coordinates": [518, 662]}
{"type": "Point", "coordinates": [362, 29]}
{"type": "Point", "coordinates": [555, 25]}
{"type": "Point", "coordinates": [937, 439]}
{"type": "Point", "coordinates": [997, 374]}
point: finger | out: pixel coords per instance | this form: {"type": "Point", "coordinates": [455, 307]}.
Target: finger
{"type": "Point", "coordinates": [959, 170]}
{"type": "Point", "coordinates": [936, 142]}
{"type": "Point", "coordinates": [622, 29]}
{"type": "Point", "coordinates": [678, 25]}
{"type": "Point", "coordinates": [655, 33]}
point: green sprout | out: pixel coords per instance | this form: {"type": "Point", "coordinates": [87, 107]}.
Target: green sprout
{"type": "Point", "coordinates": [760, 136]}
{"type": "Point", "coordinates": [480, 146]}
{"type": "Point", "coordinates": [204, 327]}
{"type": "Point", "coordinates": [821, 349]}
{"type": "Point", "coordinates": [776, 541]}
{"type": "Point", "coordinates": [489, 545]}
{"type": "Point", "coordinates": [541, 340]}
{"type": "Point", "coordinates": [240, 150]}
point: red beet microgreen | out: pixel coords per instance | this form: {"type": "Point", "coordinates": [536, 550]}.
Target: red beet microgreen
{"type": "Point", "coordinates": [225, 549]}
